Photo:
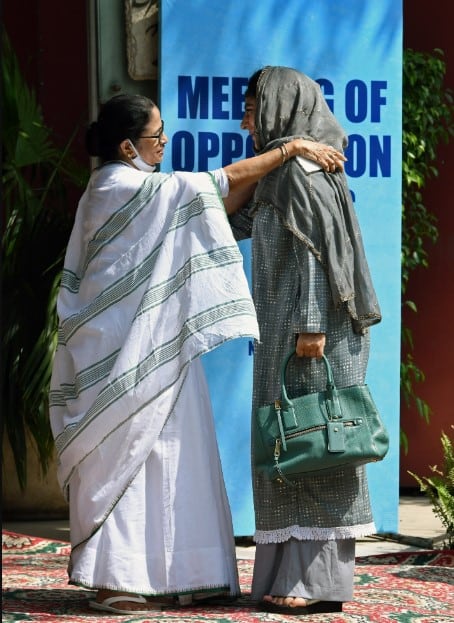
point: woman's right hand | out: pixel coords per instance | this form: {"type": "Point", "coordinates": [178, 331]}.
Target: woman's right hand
{"type": "Point", "coordinates": [326, 156]}
{"type": "Point", "coordinates": [249, 170]}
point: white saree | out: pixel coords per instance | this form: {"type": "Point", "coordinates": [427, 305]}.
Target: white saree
{"type": "Point", "coordinates": [152, 280]}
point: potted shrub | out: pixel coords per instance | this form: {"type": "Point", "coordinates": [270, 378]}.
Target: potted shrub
{"type": "Point", "coordinates": [36, 176]}
{"type": "Point", "coordinates": [439, 488]}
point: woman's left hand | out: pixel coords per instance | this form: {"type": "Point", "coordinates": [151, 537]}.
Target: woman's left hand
{"type": "Point", "coordinates": [310, 344]}
{"type": "Point", "coordinates": [326, 156]}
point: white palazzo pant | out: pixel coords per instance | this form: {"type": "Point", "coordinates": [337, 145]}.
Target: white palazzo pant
{"type": "Point", "coordinates": [171, 532]}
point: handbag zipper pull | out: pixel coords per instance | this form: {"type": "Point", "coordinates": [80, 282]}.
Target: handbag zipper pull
{"type": "Point", "coordinates": [277, 454]}
{"type": "Point", "coordinates": [277, 449]}
{"type": "Point", "coordinates": [277, 407]}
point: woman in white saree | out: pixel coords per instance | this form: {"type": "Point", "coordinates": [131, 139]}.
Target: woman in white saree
{"type": "Point", "coordinates": [152, 280]}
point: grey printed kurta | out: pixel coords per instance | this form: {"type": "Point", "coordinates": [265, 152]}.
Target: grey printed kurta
{"type": "Point", "coordinates": [310, 275]}
{"type": "Point", "coordinates": [292, 295]}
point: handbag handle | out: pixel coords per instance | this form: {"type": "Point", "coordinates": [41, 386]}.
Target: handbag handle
{"type": "Point", "coordinates": [332, 399]}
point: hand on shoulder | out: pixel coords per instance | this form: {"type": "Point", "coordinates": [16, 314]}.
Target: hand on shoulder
{"type": "Point", "coordinates": [326, 156]}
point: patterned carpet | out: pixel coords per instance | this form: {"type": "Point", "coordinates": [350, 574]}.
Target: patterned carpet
{"type": "Point", "coordinates": [415, 587]}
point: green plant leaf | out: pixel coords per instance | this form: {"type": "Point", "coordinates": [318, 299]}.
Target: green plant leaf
{"type": "Point", "coordinates": [440, 488]}
{"type": "Point", "coordinates": [428, 120]}
{"type": "Point", "coordinates": [36, 176]}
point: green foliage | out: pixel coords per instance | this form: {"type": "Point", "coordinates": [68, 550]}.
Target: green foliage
{"type": "Point", "coordinates": [440, 489]}
{"type": "Point", "coordinates": [36, 226]}
{"type": "Point", "coordinates": [428, 120]}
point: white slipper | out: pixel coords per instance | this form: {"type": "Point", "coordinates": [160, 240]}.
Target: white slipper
{"type": "Point", "coordinates": [106, 605]}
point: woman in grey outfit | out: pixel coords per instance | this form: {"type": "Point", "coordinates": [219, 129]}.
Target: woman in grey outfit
{"type": "Point", "coordinates": [312, 290]}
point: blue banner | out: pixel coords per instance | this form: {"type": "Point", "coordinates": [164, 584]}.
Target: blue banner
{"type": "Point", "coordinates": [353, 49]}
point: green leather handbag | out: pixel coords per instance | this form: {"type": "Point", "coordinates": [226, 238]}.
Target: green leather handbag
{"type": "Point", "coordinates": [318, 431]}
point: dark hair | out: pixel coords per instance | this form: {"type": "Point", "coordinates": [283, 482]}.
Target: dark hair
{"type": "Point", "coordinates": [123, 116]}
{"type": "Point", "coordinates": [251, 90]}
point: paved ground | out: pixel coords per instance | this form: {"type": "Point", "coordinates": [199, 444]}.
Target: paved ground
{"type": "Point", "coordinates": [419, 529]}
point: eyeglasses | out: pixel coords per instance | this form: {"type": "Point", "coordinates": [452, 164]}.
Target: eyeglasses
{"type": "Point", "coordinates": [158, 135]}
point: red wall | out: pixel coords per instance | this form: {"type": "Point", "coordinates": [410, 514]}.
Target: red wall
{"type": "Point", "coordinates": [432, 289]}
{"type": "Point", "coordinates": [50, 38]}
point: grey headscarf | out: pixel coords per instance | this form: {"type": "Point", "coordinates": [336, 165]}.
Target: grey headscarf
{"type": "Point", "coordinates": [315, 207]}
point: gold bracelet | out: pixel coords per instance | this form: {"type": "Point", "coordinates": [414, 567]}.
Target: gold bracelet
{"type": "Point", "coordinates": [282, 156]}
{"type": "Point", "coordinates": [284, 152]}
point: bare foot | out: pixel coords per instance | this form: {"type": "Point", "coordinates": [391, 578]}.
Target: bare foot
{"type": "Point", "coordinates": [289, 602]}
